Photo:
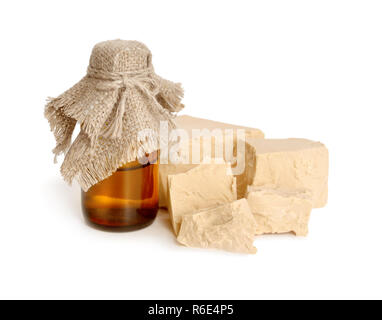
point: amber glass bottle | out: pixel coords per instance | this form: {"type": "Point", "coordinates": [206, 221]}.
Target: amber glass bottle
{"type": "Point", "coordinates": [127, 200]}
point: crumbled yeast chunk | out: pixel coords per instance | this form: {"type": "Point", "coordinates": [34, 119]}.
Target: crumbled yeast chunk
{"type": "Point", "coordinates": [229, 227]}
{"type": "Point", "coordinates": [280, 210]}
{"type": "Point", "coordinates": [206, 186]}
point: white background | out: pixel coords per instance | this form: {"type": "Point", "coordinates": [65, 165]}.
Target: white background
{"type": "Point", "coordinates": [310, 69]}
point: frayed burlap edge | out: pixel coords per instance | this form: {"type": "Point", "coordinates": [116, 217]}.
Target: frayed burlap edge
{"type": "Point", "coordinates": [68, 109]}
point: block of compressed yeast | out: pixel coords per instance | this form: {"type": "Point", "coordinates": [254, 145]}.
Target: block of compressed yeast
{"type": "Point", "coordinates": [280, 210]}
{"type": "Point", "coordinates": [229, 227]}
{"type": "Point", "coordinates": [229, 150]}
{"type": "Point", "coordinates": [291, 163]}
{"type": "Point", "coordinates": [190, 123]}
{"type": "Point", "coordinates": [166, 170]}
{"type": "Point", "coordinates": [205, 186]}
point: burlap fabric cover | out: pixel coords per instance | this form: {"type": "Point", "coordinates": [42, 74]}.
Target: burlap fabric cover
{"type": "Point", "coordinates": [119, 98]}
